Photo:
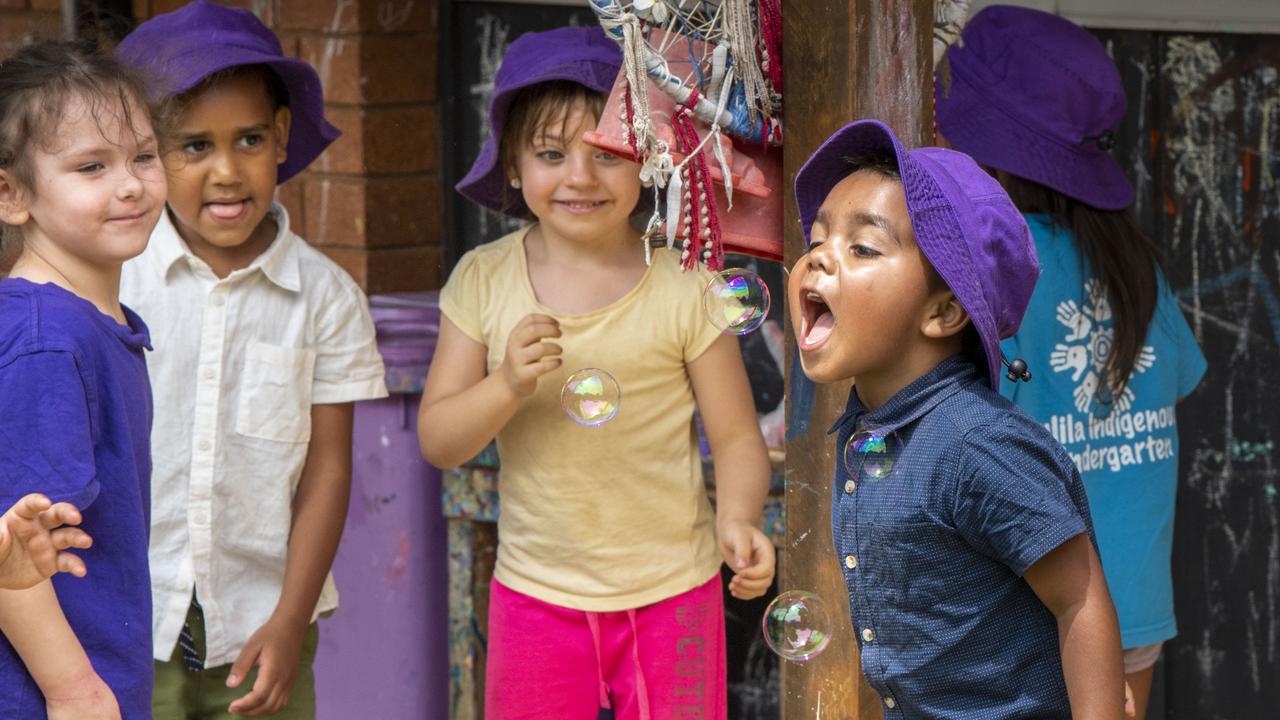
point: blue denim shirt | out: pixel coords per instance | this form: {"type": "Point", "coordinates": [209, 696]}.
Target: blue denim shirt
{"type": "Point", "coordinates": [946, 496]}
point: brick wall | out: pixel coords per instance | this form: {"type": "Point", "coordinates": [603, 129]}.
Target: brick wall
{"type": "Point", "coordinates": [372, 202]}
{"type": "Point", "coordinates": [22, 21]}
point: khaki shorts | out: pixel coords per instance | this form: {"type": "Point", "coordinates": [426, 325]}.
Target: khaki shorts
{"type": "Point", "coordinates": [184, 695]}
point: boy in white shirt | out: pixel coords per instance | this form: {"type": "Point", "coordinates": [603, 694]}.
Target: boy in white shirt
{"type": "Point", "coordinates": [262, 344]}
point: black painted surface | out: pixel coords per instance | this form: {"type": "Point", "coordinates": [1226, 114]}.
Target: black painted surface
{"type": "Point", "coordinates": [1201, 142]}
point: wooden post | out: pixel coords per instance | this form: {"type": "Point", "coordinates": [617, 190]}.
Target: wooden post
{"type": "Point", "coordinates": [843, 61]}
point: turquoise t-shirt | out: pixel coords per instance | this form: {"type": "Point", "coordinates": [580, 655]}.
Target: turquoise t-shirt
{"type": "Point", "coordinates": [1127, 450]}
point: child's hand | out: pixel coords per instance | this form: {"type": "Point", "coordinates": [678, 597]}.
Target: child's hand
{"type": "Point", "coordinates": [749, 552]}
{"type": "Point", "coordinates": [528, 357]}
{"type": "Point", "coordinates": [1130, 708]}
{"type": "Point", "coordinates": [88, 699]}
{"type": "Point", "coordinates": [32, 541]}
{"type": "Point", "coordinates": [275, 649]}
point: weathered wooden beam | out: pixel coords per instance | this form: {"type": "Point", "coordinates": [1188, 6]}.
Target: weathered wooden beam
{"type": "Point", "coordinates": [843, 60]}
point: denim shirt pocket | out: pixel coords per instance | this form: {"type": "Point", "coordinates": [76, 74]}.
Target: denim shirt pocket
{"type": "Point", "coordinates": [908, 555]}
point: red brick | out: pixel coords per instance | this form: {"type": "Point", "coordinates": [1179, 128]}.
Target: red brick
{"type": "Point", "coordinates": [401, 140]}
{"type": "Point", "coordinates": [18, 29]}
{"type": "Point", "coordinates": [47, 5]}
{"type": "Point", "coordinates": [290, 195]}
{"type": "Point", "coordinates": [375, 141]}
{"type": "Point", "coordinates": [373, 213]}
{"type": "Point", "coordinates": [13, 5]}
{"type": "Point", "coordinates": [390, 270]}
{"type": "Point", "coordinates": [373, 68]}
{"type": "Point", "coordinates": [398, 69]}
{"type": "Point", "coordinates": [337, 62]}
{"type": "Point", "coordinates": [261, 8]}
{"type": "Point", "coordinates": [349, 16]}
{"type": "Point", "coordinates": [346, 154]}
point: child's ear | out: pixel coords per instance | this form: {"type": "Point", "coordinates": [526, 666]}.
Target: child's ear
{"type": "Point", "coordinates": [280, 126]}
{"type": "Point", "coordinates": [13, 205]}
{"type": "Point", "coordinates": [944, 316]}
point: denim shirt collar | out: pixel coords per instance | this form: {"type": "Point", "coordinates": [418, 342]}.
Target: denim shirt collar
{"type": "Point", "coordinates": [912, 401]}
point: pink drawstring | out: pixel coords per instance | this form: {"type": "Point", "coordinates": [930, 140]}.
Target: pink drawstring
{"type": "Point", "coordinates": [642, 692]}
{"type": "Point", "coordinates": [593, 621]}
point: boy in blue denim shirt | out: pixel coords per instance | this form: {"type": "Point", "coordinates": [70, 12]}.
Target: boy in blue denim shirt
{"type": "Point", "coordinates": [961, 527]}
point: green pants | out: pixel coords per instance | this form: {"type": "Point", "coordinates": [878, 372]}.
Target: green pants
{"type": "Point", "coordinates": [184, 695]}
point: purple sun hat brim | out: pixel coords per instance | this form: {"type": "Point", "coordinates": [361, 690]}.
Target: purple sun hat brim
{"type": "Point", "coordinates": [176, 51]}
{"type": "Point", "coordinates": [584, 55]}
{"type": "Point", "coordinates": [1034, 94]}
{"type": "Point", "coordinates": [963, 222]}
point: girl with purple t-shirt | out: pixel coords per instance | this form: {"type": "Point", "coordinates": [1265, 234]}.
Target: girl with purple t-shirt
{"type": "Point", "coordinates": [81, 187]}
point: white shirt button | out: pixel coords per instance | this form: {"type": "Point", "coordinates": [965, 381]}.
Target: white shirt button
{"type": "Point", "coordinates": [850, 561]}
{"type": "Point", "coordinates": [208, 373]}
{"type": "Point", "coordinates": [889, 703]}
{"type": "Point", "coordinates": [205, 445]}
{"type": "Point", "coordinates": [850, 486]}
{"type": "Point", "coordinates": [219, 300]}
{"type": "Point", "coordinates": [867, 635]}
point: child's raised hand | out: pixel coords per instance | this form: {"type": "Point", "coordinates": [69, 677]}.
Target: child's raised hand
{"type": "Point", "coordinates": [32, 541]}
{"type": "Point", "coordinates": [749, 552]}
{"type": "Point", "coordinates": [528, 356]}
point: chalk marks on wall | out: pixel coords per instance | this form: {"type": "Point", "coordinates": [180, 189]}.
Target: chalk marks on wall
{"type": "Point", "coordinates": [1202, 137]}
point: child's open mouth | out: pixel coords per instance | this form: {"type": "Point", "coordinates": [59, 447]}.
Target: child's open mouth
{"type": "Point", "coordinates": [816, 322]}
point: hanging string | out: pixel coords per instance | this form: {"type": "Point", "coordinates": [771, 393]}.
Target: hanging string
{"type": "Point", "coordinates": [702, 226]}
{"type": "Point", "coordinates": [740, 30]}
{"type": "Point", "coordinates": [771, 42]}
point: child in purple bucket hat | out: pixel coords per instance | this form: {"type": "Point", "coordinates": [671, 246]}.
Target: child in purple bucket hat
{"type": "Point", "coordinates": [961, 527]}
{"type": "Point", "coordinates": [606, 599]}
{"type": "Point", "coordinates": [263, 344]}
{"type": "Point", "coordinates": [1037, 99]}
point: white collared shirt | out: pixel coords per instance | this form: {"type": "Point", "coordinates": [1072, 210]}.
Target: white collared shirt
{"type": "Point", "coordinates": [238, 363]}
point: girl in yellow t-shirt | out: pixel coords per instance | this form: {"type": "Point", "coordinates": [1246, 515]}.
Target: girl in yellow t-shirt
{"type": "Point", "coordinates": [606, 599]}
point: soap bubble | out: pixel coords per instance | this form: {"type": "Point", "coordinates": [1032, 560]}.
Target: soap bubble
{"type": "Point", "coordinates": [796, 626]}
{"type": "Point", "coordinates": [736, 301]}
{"type": "Point", "coordinates": [869, 454]}
{"type": "Point", "coordinates": [591, 397]}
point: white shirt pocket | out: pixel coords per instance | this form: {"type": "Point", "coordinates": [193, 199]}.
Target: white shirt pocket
{"type": "Point", "coordinates": [275, 394]}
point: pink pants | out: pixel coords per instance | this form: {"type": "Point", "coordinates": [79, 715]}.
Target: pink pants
{"type": "Point", "coordinates": [660, 662]}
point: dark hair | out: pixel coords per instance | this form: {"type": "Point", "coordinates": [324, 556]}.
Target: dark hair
{"type": "Point", "coordinates": [531, 115]}
{"type": "Point", "coordinates": [1119, 256]}
{"type": "Point", "coordinates": [885, 165]}
{"type": "Point", "coordinates": [277, 94]}
{"type": "Point", "coordinates": [40, 80]}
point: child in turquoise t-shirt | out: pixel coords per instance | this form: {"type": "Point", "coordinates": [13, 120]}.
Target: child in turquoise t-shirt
{"type": "Point", "coordinates": [1111, 353]}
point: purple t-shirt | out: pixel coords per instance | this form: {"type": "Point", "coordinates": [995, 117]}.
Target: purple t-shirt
{"type": "Point", "coordinates": [75, 424]}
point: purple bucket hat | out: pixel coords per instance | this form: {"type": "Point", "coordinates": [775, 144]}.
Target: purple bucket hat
{"type": "Point", "coordinates": [584, 55]}
{"type": "Point", "coordinates": [963, 221]}
{"type": "Point", "coordinates": [1035, 95]}
{"type": "Point", "coordinates": [178, 50]}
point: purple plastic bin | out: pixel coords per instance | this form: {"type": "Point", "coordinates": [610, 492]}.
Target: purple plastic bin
{"type": "Point", "coordinates": [384, 654]}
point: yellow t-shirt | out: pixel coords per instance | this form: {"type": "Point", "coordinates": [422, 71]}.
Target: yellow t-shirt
{"type": "Point", "coordinates": [598, 518]}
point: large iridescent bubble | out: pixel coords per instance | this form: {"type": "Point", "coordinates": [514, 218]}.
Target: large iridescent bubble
{"type": "Point", "coordinates": [869, 454]}
{"type": "Point", "coordinates": [736, 301]}
{"type": "Point", "coordinates": [591, 397]}
{"type": "Point", "coordinates": [796, 626]}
